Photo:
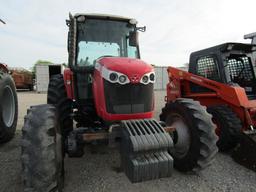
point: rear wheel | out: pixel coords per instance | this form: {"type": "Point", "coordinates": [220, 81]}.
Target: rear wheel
{"type": "Point", "coordinates": [194, 138]}
{"type": "Point", "coordinates": [57, 96]}
{"type": "Point", "coordinates": [41, 150]}
{"type": "Point", "coordinates": [228, 126]}
{"type": "Point", "coordinates": [8, 108]}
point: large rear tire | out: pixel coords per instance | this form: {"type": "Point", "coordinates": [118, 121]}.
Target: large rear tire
{"type": "Point", "coordinates": [41, 150]}
{"type": "Point", "coordinates": [194, 138]}
{"type": "Point", "coordinates": [229, 126]}
{"type": "Point", "coordinates": [8, 108]}
{"type": "Point", "coordinates": [57, 96]}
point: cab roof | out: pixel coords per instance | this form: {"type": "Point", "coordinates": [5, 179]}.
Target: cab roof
{"type": "Point", "coordinates": [226, 47]}
{"type": "Point", "coordinates": [103, 16]}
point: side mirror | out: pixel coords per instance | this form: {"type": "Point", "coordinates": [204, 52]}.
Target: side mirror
{"type": "Point", "coordinates": [133, 38]}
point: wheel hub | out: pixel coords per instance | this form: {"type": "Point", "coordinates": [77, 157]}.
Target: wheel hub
{"type": "Point", "coordinates": [181, 135]}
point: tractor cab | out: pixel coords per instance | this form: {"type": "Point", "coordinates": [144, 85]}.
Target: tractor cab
{"type": "Point", "coordinates": [102, 35]}
{"type": "Point", "coordinates": [105, 62]}
{"type": "Point", "coordinates": [229, 63]}
{"type": "Point", "coordinates": [92, 37]}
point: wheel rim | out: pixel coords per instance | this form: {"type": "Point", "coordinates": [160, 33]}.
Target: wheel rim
{"type": "Point", "coordinates": [8, 106]}
{"type": "Point", "coordinates": [181, 135]}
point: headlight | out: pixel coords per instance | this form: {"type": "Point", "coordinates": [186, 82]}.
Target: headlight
{"type": "Point", "coordinates": [114, 77]}
{"type": "Point", "coordinates": [145, 79]}
{"type": "Point", "coordinates": [122, 79]}
{"type": "Point", "coordinates": [152, 77]}
{"type": "Point", "coordinates": [148, 78]}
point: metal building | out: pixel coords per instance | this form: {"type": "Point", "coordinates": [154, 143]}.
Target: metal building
{"type": "Point", "coordinates": [44, 73]}
{"type": "Point", "coordinates": [162, 77]}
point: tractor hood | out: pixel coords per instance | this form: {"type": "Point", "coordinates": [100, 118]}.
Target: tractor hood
{"type": "Point", "coordinates": [134, 69]}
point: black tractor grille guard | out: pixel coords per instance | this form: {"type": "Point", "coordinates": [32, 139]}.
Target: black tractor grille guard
{"type": "Point", "coordinates": [128, 98]}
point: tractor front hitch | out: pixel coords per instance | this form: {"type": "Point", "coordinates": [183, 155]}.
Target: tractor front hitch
{"type": "Point", "coordinates": [145, 150]}
{"type": "Point", "coordinates": [75, 141]}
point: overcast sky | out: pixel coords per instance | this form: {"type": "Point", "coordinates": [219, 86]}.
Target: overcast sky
{"type": "Point", "coordinates": [36, 29]}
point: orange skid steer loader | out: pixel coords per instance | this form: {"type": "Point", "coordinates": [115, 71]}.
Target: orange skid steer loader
{"type": "Point", "coordinates": [222, 78]}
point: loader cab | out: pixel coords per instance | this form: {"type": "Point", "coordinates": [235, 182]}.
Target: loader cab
{"type": "Point", "coordinates": [92, 37]}
{"type": "Point", "coordinates": [229, 63]}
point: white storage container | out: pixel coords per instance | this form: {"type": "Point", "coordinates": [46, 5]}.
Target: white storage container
{"type": "Point", "coordinates": [43, 75]}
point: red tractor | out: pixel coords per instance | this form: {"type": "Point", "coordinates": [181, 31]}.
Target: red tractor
{"type": "Point", "coordinates": [8, 105]}
{"type": "Point", "coordinates": [108, 92]}
{"type": "Point", "coordinates": [222, 78]}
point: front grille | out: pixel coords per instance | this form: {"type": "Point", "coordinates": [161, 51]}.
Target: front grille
{"type": "Point", "coordinates": [128, 98]}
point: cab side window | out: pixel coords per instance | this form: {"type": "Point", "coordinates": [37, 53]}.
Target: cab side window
{"type": "Point", "coordinates": [207, 66]}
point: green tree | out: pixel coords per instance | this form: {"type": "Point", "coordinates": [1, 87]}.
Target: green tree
{"type": "Point", "coordinates": [65, 65]}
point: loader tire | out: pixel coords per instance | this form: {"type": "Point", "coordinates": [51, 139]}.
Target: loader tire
{"type": "Point", "coordinates": [41, 150]}
{"type": "Point", "coordinates": [194, 138]}
{"type": "Point", "coordinates": [8, 108]}
{"type": "Point", "coordinates": [228, 127]}
{"type": "Point", "coordinates": [57, 96]}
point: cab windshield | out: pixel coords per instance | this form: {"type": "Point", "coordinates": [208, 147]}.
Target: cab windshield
{"type": "Point", "coordinates": [98, 38]}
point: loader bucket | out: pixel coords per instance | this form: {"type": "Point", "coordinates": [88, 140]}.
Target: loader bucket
{"type": "Point", "coordinates": [245, 152]}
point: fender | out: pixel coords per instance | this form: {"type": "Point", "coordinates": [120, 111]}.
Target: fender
{"type": "Point", "coordinates": [4, 68]}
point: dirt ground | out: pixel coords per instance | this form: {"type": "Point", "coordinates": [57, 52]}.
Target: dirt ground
{"type": "Point", "coordinates": [97, 171]}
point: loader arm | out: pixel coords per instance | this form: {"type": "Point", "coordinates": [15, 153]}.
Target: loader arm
{"type": "Point", "coordinates": [181, 83]}
{"type": "Point", "coordinates": [180, 86]}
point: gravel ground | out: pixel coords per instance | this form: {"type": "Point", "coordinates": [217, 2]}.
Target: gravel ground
{"type": "Point", "coordinates": [98, 171]}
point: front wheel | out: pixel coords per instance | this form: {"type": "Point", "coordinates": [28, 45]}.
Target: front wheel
{"type": "Point", "coordinates": [41, 150]}
{"type": "Point", "coordinates": [57, 96]}
{"type": "Point", "coordinates": [194, 138]}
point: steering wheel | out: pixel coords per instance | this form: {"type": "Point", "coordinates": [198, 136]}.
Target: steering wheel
{"type": "Point", "coordinates": [94, 62]}
{"type": "Point", "coordinates": [104, 56]}
{"type": "Point", "coordinates": [232, 84]}
{"type": "Point", "coordinates": [240, 73]}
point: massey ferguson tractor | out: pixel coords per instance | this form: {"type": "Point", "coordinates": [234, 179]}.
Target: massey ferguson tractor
{"type": "Point", "coordinates": [222, 78]}
{"type": "Point", "coordinates": [8, 105]}
{"type": "Point", "coordinates": [107, 94]}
